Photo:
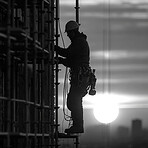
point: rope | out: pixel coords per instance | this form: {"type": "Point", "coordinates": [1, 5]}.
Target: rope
{"type": "Point", "coordinates": [65, 88]}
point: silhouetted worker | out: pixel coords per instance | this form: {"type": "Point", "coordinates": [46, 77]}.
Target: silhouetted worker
{"type": "Point", "coordinates": [76, 57]}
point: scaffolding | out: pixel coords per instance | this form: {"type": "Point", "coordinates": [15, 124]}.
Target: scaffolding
{"type": "Point", "coordinates": [29, 74]}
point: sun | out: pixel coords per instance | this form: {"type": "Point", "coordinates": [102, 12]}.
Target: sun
{"type": "Point", "coordinates": [106, 108]}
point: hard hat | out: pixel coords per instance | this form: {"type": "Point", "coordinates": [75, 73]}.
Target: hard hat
{"type": "Point", "coordinates": [71, 25]}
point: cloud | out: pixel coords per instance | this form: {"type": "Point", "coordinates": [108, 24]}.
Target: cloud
{"type": "Point", "coordinates": [94, 2]}
{"type": "Point", "coordinates": [130, 67]}
{"type": "Point", "coordinates": [142, 24]}
{"type": "Point", "coordinates": [82, 2]}
{"type": "Point", "coordinates": [135, 80]}
{"type": "Point", "coordinates": [119, 54]}
{"type": "Point", "coordinates": [134, 105]}
{"type": "Point", "coordinates": [123, 100]}
{"type": "Point", "coordinates": [111, 15]}
{"type": "Point", "coordinates": [133, 1]}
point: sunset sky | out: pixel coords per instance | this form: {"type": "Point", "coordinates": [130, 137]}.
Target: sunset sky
{"type": "Point", "coordinates": [117, 33]}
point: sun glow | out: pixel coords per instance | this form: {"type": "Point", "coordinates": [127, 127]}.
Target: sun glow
{"type": "Point", "coordinates": [105, 108]}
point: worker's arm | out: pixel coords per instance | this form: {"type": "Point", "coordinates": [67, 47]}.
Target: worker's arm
{"type": "Point", "coordinates": [63, 61]}
{"type": "Point", "coordinates": [61, 51]}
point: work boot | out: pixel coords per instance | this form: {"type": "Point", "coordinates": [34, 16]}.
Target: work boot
{"type": "Point", "coordinates": [74, 129]}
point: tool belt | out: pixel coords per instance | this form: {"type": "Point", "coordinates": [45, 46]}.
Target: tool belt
{"type": "Point", "coordinates": [84, 78]}
{"type": "Point", "coordinates": [78, 74]}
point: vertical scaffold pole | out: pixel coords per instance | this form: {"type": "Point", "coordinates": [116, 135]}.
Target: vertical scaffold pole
{"type": "Point", "coordinates": [77, 141]}
{"type": "Point", "coordinates": [77, 11]}
{"type": "Point", "coordinates": [78, 21]}
{"type": "Point", "coordinates": [26, 75]}
{"type": "Point", "coordinates": [8, 89]}
{"type": "Point", "coordinates": [51, 37]}
{"type": "Point", "coordinates": [57, 70]}
{"type": "Point", "coordinates": [42, 72]}
{"type": "Point", "coordinates": [34, 70]}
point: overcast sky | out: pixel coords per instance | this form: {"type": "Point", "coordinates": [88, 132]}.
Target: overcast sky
{"type": "Point", "coordinates": [117, 33]}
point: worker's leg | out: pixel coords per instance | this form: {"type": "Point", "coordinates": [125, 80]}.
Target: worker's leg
{"type": "Point", "coordinates": [74, 104]}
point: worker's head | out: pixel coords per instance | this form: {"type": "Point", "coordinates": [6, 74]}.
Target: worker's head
{"type": "Point", "coordinates": [71, 25]}
{"type": "Point", "coordinates": [71, 28]}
